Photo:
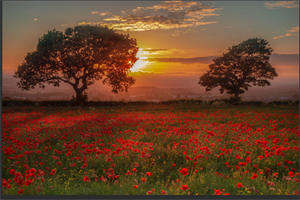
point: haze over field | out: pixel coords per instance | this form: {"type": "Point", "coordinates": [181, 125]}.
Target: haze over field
{"type": "Point", "coordinates": [177, 42]}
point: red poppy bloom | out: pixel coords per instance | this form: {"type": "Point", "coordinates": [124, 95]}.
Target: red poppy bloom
{"type": "Point", "coordinates": [248, 160]}
{"type": "Point", "coordinates": [239, 185]}
{"type": "Point", "coordinates": [143, 179]}
{"type": "Point", "coordinates": [53, 171]}
{"type": "Point", "coordinates": [184, 187]}
{"type": "Point", "coordinates": [275, 174]}
{"type": "Point", "coordinates": [86, 179]}
{"type": "Point", "coordinates": [84, 165]}
{"type": "Point", "coordinates": [21, 191]}
{"type": "Point", "coordinates": [136, 186]}
{"type": "Point", "coordinates": [12, 172]}
{"type": "Point", "coordinates": [28, 182]}
{"type": "Point", "coordinates": [148, 173]}
{"type": "Point", "coordinates": [254, 176]}
{"type": "Point", "coordinates": [68, 153]}
{"type": "Point", "coordinates": [218, 192]}
{"type": "Point", "coordinates": [149, 192]}
{"type": "Point", "coordinates": [291, 174]}
{"type": "Point", "coordinates": [184, 171]}
{"type": "Point", "coordinates": [32, 170]}
{"type": "Point", "coordinates": [4, 182]}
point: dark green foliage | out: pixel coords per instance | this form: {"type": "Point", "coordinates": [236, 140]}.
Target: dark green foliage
{"type": "Point", "coordinates": [242, 66]}
{"type": "Point", "coordinates": [79, 57]}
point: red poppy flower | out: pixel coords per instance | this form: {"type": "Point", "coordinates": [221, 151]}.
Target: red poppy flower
{"type": "Point", "coordinates": [28, 182]}
{"type": "Point", "coordinates": [254, 176]}
{"type": "Point", "coordinates": [32, 170]}
{"type": "Point", "coordinates": [291, 174]}
{"type": "Point", "coordinates": [275, 174]}
{"type": "Point", "coordinates": [239, 185]}
{"type": "Point", "coordinates": [184, 171]}
{"type": "Point", "coordinates": [84, 165]}
{"type": "Point", "coordinates": [21, 191]}
{"type": "Point", "coordinates": [148, 173]}
{"type": "Point", "coordinates": [86, 179]}
{"type": "Point", "coordinates": [184, 187]}
{"type": "Point", "coordinates": [143, 179]}
{"type": "Point", "coordinates": [53, 171]}
{"type": "Point", "coordinates": [248, 160]}
{"type": "Point", "coordinates": [12, 172]}
{"type": "Point", "coordinates": [218, 192]}
{"type": "Point", "coordinates": [68, 153]}
{"type": "Point", "coordinates": [4, 182]}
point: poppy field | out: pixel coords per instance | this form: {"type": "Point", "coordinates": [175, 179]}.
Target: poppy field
{"type": "Point", "coordinates": [155, 149]}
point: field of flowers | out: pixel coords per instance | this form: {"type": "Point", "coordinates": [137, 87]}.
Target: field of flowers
{"type": "Point", "coordinates": [184, 149]}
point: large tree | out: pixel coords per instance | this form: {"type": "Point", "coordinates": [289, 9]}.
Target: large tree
{"type": "Point", "coordinates": [242, 66]}
{"type": "Point", "coordinates": [79, 57]}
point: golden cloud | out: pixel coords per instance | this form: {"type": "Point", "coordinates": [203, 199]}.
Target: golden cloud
{"type": "Point", "coordinates": [281, 4]}
{"type": "Point", "coordinates": [292, 31]}
{"type": "Point", "coordinates": [102, 14]}
{"type": "Point", "coordinates": [165, 15]}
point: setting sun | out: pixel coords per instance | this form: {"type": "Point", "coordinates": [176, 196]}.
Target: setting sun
{"type": "Point", "coordinates": [141, 62]}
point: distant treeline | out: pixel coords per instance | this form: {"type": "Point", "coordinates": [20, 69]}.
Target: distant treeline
{"type": "Point", "coordinates": [112, 103]}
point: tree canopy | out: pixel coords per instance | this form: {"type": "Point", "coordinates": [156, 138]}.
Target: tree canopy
{"type": "Point", "coordinates": [79, 57]}
{"type": "Point", "coordinates": [242, 66]}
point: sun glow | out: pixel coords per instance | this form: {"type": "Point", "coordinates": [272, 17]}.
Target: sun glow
{"type": "Point", "coordinates": [141, 62]}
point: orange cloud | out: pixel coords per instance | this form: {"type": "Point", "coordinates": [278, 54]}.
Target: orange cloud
{"type": "Point", "coordinates": [282, 4]}
{"type": "Point", "coordinates": [102, 14]}
{"type": "Point", "coordinates": [165, 15]}
{"type": "Point", "coordinates": [292, 31]}
{"type": "Point", "coordinates": [205, 60]}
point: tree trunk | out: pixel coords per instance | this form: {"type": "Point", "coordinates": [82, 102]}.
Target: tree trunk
{"type": "Point", "coordinates": [80, 96]}
{"type": "Point", "coordinates": [236, 97]}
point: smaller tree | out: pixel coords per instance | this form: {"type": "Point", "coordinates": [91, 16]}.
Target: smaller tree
{"type": "Point", "coordinates": [244, 65]}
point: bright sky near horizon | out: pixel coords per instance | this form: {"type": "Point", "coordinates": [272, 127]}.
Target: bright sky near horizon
{"type": "Point", "coordinates": [176, 38]}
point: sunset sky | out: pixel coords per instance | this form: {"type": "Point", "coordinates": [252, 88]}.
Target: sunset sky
{"type": "Point", "coordinates": [177, 40]}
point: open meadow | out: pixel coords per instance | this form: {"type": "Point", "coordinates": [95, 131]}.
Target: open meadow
{"type": "Point", "coordinates": [151, 149]}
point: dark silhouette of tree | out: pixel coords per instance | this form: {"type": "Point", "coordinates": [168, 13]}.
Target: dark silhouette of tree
{"type": "Point", "coordinates": [242, 66]}
{"type": "Point", "coordinates": [79, 57]}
